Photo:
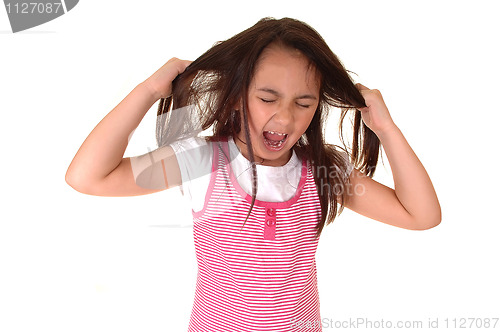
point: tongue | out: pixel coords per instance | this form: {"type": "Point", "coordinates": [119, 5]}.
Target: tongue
{"type": "Point", "coordinates": [273, 137]}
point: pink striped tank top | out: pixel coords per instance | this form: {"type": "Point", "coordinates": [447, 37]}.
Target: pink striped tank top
{"type": "Point", "coordinates": [262, 278]}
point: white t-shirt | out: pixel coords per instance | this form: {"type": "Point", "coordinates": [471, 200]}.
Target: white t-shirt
{"type": "Point", "coordinates": [275, 184]}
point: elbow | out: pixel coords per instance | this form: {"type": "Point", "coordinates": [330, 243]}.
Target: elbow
{"type": "Point", "coordinates": [70, 180]}
{"type": "Point", "coordinates": [427, 222]}
{"type": "Point", "coordinates": [427, 225]}
{"type": "Point", "coordinates": [75, 182]}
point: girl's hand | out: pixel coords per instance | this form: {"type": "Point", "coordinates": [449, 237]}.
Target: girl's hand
{"type": "Point", "coordinates": [376, 115]}
{"type": "Point", "coordinates": [160, 83]}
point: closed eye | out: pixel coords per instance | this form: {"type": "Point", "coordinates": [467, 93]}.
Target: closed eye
{"type": "Point", "coordinates": [303, 105]}
{"type": "Point", "coordinates": [267, 100]}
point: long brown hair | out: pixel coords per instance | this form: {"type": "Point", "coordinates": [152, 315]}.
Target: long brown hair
{"type": "Point", "coordinates": [218, 81]}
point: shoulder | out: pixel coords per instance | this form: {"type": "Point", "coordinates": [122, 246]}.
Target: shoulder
{"type": "Point", "coordinates": [194, 157]}
{"type": "Point", "coordinates": [189, 143]}
{"type": "Point", "coordinates": [193, 152]}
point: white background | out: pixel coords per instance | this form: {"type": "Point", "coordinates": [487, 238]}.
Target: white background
{"type": "Point", "coordinates": [74, 262]}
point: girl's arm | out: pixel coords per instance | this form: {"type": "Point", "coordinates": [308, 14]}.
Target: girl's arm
{"type": "Point", "coordinates": [413, 203]}
{"type": "Point", "coordinates": [98, 167]}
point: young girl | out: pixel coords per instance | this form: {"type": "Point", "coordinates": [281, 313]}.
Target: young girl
{"type": "Point", "coordinates": [264, 183]}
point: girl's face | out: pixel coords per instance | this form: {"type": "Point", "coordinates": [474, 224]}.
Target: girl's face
{"type": "Point", "coordinates": [282, 99]}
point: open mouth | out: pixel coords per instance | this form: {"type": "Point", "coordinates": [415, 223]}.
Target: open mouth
{"type": "Point", "coordinates": [274, 140]}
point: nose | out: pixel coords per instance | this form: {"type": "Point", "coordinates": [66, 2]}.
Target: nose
{"type": "Point", "coordinates": [283, 115]}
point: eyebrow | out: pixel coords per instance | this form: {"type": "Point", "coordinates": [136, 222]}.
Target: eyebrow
{"type": "Point", "coordinates": [276, 93]}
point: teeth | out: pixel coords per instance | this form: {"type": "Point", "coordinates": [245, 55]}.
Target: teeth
{"type": "Point", "coordinates": [276, 133]}
{"type": "Point", "coordinates": [275, 144]}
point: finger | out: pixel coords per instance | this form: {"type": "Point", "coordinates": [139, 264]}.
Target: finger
{"type": "Point", "coordinates": [186, 63]}
{"type": "Point", "coordinates": [361, 87]}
